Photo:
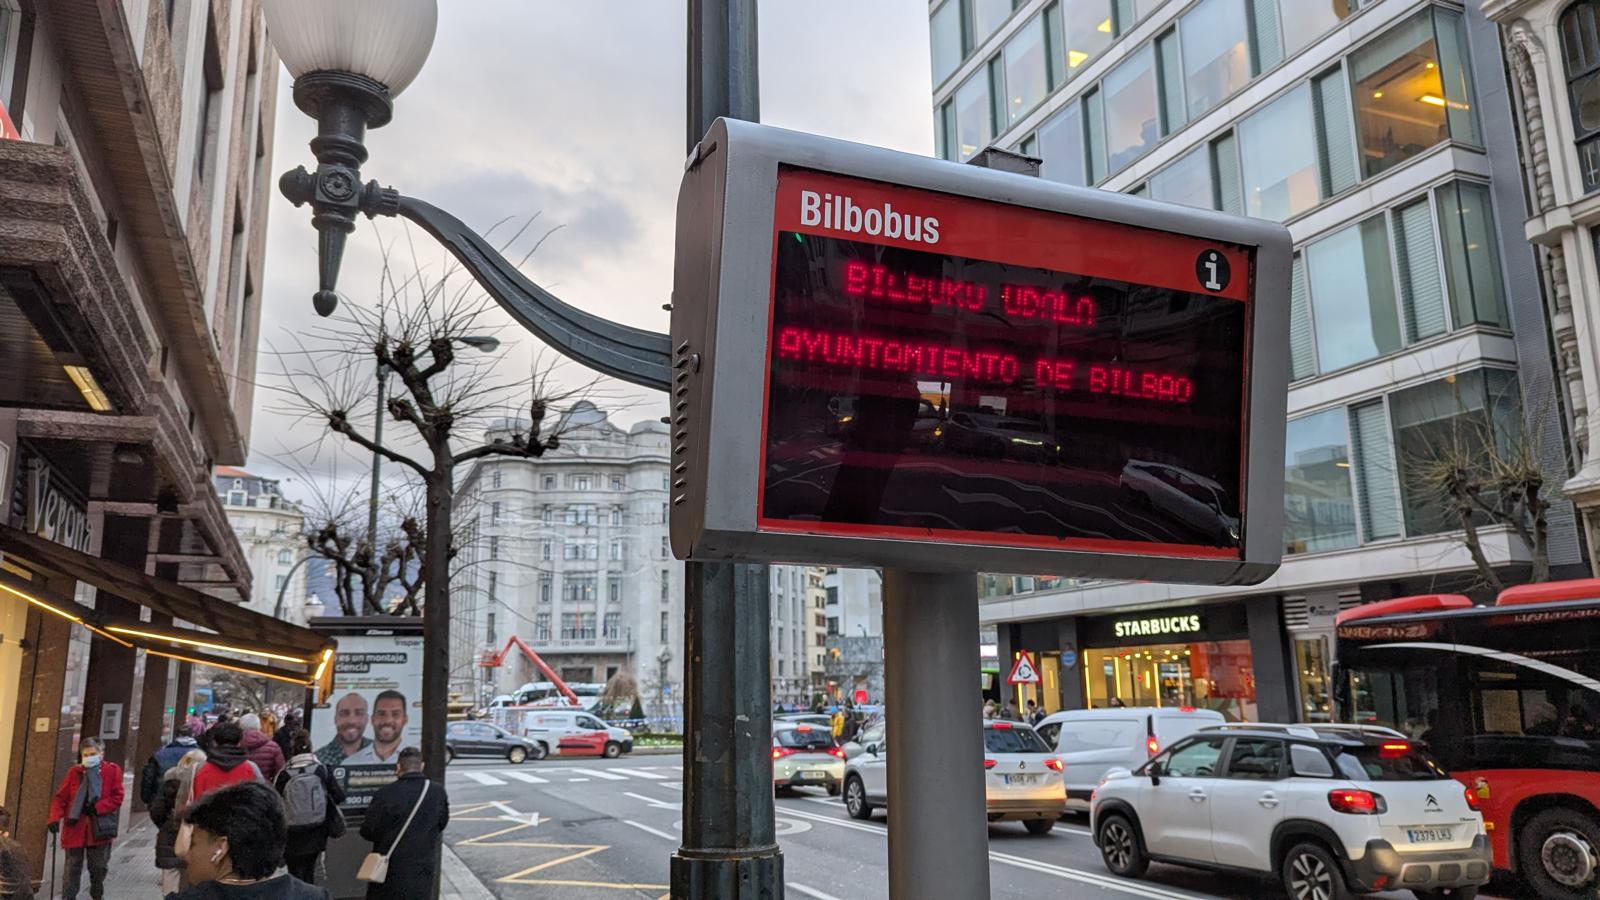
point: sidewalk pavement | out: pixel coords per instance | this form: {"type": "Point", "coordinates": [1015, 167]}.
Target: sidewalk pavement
{"type": "Point", "coordinates": [133, 875]}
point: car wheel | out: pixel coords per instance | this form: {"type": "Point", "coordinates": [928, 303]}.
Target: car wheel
{"type": "Point", "coordinates": [1039, 826]}
{"type": "Point", "coordinates": [540, 751]}
{"type": "Point", "coordinates": [516, 755]}
{"type": "Point", "coordinates": [783, 790]}
{"type": "Point", "coordinates": [1557, 854]}
{"type": "Point", "coordinates": [1310, 872]}
{"type": "Point", "coordinates": [1121, 847]}
{"type": "Point", "coordinates": [833, 789]}
{"type": "Point", "coordinates": [1460, 893]}
{"type": "Point", "coordinates": [612, 751]}
{"type": "Point", "coordinates": [855, 799]}
{"type": "Point", "coordinates": [449, 756]}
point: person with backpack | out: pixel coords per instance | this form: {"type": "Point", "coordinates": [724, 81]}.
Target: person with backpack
{"type": "Point", "coordinates": [166, 811]}
{"type": "Point", "coordinates": [311, 799]}
{"type": "Point", "coordinates": [259, 746]}
{"type": "Point", "coordinates": [226, 762]}
{"type": "Point", "coordinates": [162, 761]}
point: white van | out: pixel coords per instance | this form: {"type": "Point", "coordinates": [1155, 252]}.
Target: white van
{"type": "Point", "coordinates": [1091, 741]}
{"type": "Point", "coordinates": [571, 732]}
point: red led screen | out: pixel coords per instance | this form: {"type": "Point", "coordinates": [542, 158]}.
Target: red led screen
{"type": "Point", "coordinates": [947, 368]}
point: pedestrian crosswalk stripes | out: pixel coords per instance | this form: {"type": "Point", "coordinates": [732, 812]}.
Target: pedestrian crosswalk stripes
{"type": "Point", "coordinates": [661, 775]}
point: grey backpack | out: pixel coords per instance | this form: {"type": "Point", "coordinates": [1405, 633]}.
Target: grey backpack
{"type": "Point", "coordinates": [305, 800]}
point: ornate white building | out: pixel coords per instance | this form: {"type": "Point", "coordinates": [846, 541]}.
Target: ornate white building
{"type": "Point", "coordinates": [1552, 48]}
{"type": "Point", "coordinates": [269, 529]}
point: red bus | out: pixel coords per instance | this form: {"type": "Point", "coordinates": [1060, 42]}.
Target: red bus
{"type": "Point", "coordinates": [1507, 696]}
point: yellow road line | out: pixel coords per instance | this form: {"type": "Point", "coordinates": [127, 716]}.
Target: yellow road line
{"type": "Point", "coordinates": [593, 884]}
{"type": "Point", "coordinates": [484, 837]}
{"type": "Point", "coordinates": [588, 851]}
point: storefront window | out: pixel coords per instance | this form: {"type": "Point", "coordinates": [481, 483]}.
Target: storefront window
{"type": "Point", "coordinates": [1318, 512]}
{"type": "Point", "coordinates": [1215, 675]}
{"type": "Point", "coordinates": [1311, 658]}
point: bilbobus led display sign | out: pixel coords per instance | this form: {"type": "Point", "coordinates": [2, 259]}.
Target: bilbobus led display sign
{"type": "Point", "coordinates": [883, 359]}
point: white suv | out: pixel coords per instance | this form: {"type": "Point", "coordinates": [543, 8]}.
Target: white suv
{"type": "Point", "coordinates": [1330, 812]}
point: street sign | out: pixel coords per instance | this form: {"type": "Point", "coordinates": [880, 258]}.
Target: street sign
{"type": "Point", "coordinates": [884, 359]}
{"type": "Point", "coordinates": [1024, 671]}
{"type": "Point", "coordinates": [1069, 658]}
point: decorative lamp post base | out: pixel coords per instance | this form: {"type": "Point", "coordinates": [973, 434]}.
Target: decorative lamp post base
{"type": "Point", "coordinates": [752, 874]}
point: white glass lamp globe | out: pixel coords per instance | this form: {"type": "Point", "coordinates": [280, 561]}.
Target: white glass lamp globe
{"type": "Point", "coordinates": [385, 40]}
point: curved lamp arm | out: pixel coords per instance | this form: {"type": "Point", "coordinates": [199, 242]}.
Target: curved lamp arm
{"type": "Point", "coordinates": [623, 352]}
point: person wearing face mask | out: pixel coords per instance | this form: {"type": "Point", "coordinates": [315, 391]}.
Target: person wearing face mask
{"type": "Point", "coordinates": [236, 843]}
{"type": "Point", "coordinates": [84, 812]}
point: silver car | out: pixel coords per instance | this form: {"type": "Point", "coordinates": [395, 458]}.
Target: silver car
{"type": "Point", "coordinates": [804, 754]}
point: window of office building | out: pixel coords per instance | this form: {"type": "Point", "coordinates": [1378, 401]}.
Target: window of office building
{"type": "Point", "coordinates": [974, 123]}
{"type": "Point", "coordinates": [1319, 510]}
{"type": "Point", "coordinates": [666, 625]}
{"type": "Point", "coordinates": [1306, 20]}
{"type": "Point", "coordinates": [1027, 69]}
{"type": "Point", "coordinates": [1132, 116]}
{"type": "Point", "coordinates": [616, 482]}
{"type": "Point", "coordinates": [1472, 257]}
{"type": "Point", "coordinates": [1060, 146]}
{"type": "Point", "coordinates": [1216, 52]}
{"type": "Point", "coordinates": [1353, 300]}
{"type": "Point", "coordinates": [1169, 78]}
{"type": "Point", "coordinates": [541, 627]}
{"type": "Point", "coordinates": [1421, 287]}
{"type": "Point", "coordinates": [1187, 181]}
{"type": "Point", "coordinates": [944, 130]}
{"type": "Point", "coordinates": [544, 588]}
{"type": "Point", "coordinates": [1278, 154]}
{"type": "Point", "coordinates": [613, 625]}
{"type": "Point", "coordinates": [944, 40]}
{"type": "Point", "coordinates": [578, 589]}
{"type": "Point", "coordinates": [613, 590]}
{"type": "Point", "coordinates": [1087, 29]}
{"type": "Point", "coordinates": [1580, 50]}
{"type": "Point", "coordinates": [1465, 414]}
{"type": "Point", "coordinates": [666, 586]}
{"type": "Point", "coordinates": [549, 482]}
{"type": "Point", "coordinates": [1374, 471]}
{"type": "Point", "coordinates": [1412, 91]}
{"type": "Point", "coordinates": [544, 550]}
{"type": "Point", "coordinates": [285, 557]}
{"type": "Point", "coordinates": [495, 478]}
{"type": "Point", "coordinates": [987, 16]}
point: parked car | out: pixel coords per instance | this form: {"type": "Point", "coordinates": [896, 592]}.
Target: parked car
{"type": "Point", "coordinates": [1331, 813]}
{"type": "Point", "coordinates": [804, 754]}
{"type": "Point", "coordinates": [572, 732]}
{"type": "Point", "coordinates": [1090, 742]}
{"type": "Point", "coordinates": [484, 739]}
{"type": "Point", "coordinates": [1022, 780]}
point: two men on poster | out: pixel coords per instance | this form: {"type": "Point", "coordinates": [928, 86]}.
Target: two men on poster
{"type": "Point", "coordinates": [351, 746]}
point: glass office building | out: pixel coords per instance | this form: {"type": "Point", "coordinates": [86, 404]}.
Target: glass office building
{"type": "Point", "coordinates": [1383, 136]}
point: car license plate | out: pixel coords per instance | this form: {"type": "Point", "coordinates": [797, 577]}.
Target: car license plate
{"type": "Point", "coordinates": [1021, 779]}
{"type": "Point", "coordinates": [814, 775]}
{"type": "Point", "coordinates": [1428, 835]}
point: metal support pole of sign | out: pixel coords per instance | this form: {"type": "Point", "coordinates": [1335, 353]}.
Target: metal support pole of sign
{"type": "Point", "coordinates": [938, 830]}
{"type": "Point", "coordinates": [729, 849]}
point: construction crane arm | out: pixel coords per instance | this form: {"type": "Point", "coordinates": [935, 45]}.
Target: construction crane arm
{"type": "Point", "coordinates": [496, 660]}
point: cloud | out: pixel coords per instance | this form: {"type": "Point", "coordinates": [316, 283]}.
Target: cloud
{"type": "Point", "coordinates": [576, 112]}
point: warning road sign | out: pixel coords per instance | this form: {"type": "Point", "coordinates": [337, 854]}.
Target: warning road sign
{"type": "Point", "coordinates": [1024, 671]}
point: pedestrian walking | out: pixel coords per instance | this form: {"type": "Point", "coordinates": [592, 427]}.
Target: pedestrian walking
{"type": "Point", "coordinates": [162, 761]}
{"type": "Point", "coordinates": [84, 813]}
{"type": "Point", "coordinates": [226, 762]}
{"type": "Point", "coordinates": [15, 883]}
{"type": "Point", "coordinates": [411, 848]}
{"type": "Point", "coordinates": [166, 813]}
{"type": "Point", "coordinates": [237, 840]}
{"type": "Point", "coordinates": [311, 799]}
{"type": "Point", "coordinates": [837, 724]}
{"type": "Point", "coordinates": [291, 724]}
{"type": "Point", "coordinates": [258, 744]}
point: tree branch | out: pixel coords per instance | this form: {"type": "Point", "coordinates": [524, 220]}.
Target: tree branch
{"type": "Point", "coordinates": [341, 424]}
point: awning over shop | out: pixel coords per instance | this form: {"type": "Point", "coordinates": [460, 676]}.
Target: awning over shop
{"type": "Point", "coordinates": [236, 638]}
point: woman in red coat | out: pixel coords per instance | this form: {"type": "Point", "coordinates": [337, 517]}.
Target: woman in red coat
{"type": "Point", "coordinates": [89, 791]}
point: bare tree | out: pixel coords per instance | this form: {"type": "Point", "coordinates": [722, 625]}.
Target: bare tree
{"type": "Point", "coordinates": [1485, 472]}
{"type": "Point", "coordinates": [414, 334]}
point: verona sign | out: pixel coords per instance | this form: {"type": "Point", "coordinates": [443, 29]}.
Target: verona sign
{"type": "Point", "coordinates": [884, 359]}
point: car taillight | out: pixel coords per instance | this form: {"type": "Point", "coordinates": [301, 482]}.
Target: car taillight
{"type": "Point", "coordinates": [1053, 765]}
{"type": "Point", "coordinates": [836, 751]}
{"type": "Point", "coordinates": [1357, 803]}
{"type": "Point", "coordinates": [1186, 709]}
{"type": "Point", "coordinates": [781, 752]}
{"type": "Point", "coordinates": [1394, 750]}
{"type": "Point", "coordinates": [1001, 726]}
{"type": "Point", "coordinates": [988, 764]}
{"type": "Point", "coordinates": [1472, 799]}
{"type": "Point", "coordinates": [1153, 745]}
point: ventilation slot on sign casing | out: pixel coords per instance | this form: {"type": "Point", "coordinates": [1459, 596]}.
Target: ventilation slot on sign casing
{"type": "Point", "coordinates": [684, 364]}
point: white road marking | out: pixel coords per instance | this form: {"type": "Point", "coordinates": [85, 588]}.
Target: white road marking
{"type": "Point", "coordinates": [658, 804]}
{"type": "Point", "coordinates": [655, 831]}
{"type": "Point", "coordinates": [675, 785]}
{"type": "Point", "coordinates": [575, 780]}
{"type": "Point", "coordinates": [638, 773]}
{"type": "Point", "coordinates": [513, 815]}
{"type": "Point", "coordinates": [525, 777]}
{"type": "Point", "coordinates": [810, 892]}
{"type": "Point", "coordinates": [600, 773]}
{"type": "Point", "coordinates": [483, 778]}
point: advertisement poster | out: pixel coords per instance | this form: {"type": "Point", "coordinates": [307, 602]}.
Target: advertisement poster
{"type": "Point", "coordinates": [374, 711]}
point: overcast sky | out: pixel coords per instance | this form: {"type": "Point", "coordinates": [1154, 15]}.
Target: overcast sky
{"type": "Point", "coordinates": [575, 111]}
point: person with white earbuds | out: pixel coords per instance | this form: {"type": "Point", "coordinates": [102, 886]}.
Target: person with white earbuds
{"type": "Point", "coordinates": [236, 841]}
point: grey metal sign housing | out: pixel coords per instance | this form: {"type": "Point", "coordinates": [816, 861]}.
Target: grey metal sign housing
{"type": "Point", "coordinates": [883, 359]}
